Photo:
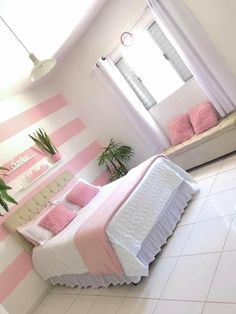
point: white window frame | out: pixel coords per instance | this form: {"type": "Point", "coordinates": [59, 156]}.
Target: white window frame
{"type": "Point", "coordinates": [142, 22]}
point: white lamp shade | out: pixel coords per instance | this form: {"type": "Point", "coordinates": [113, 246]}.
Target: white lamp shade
{"type": "Point", "coordinates": [41, 68]}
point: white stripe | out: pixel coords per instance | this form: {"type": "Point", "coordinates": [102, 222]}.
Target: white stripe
{"type": "Point", "coordinates": [22, 102]}
{"type": "Point", "coordinates": [91, 172]}
{"type": "Point", "coordinates": [9, 250]}
{"type": "Point", "coordinates": [68, 151]}
{"type": "Point", "coordinates": [26, 295]}
{"type": "Point", "coordinates": [21, 141]}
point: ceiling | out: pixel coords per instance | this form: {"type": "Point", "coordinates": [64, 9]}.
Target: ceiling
{"type": "Point", "coordinates": [46, 27]}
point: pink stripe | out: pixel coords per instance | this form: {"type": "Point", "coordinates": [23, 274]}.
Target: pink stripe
{"type": "Point", "coordinates": [74, 165]}
{"type": "Point", "coordinates": [84, 157]}
{"type": "Point", "coordinates": [102, 179]}
{"type": "Point", "coordinates": [3, 233]}
{"type": "Point", "coordinates": [25, 119]}
{"type": "Point", "coordinates": [19, 269]}
{"type": "Point", "coordinates": [14, 274]}
{"type": "Point", "coordinates": [59, 137]}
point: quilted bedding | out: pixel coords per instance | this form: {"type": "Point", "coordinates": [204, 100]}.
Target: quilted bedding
{"type": "Point", "coordinates": [127, 229]}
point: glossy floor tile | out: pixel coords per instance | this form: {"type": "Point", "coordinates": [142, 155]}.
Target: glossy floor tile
{"type": "Point", "coordinates": [137, 306]}
{"type": "Point", "coordinates": [82, 304]}
{"type": "Point", "coordinates": [228, 163]}
{"type": "Point", "coordinates": [230, 243]}
{"type": "Point", "coordinates": [192, 212]}
{"type": "Point", "coordinates": [196, 270]}
{"type": "Point", "coordinates": [224, 181]}
{"type": "Point", "coordinates": [106, 305]}
{"type": "Point", "coordinates": [205, 186]}
{"type": "Point", "coordinates": [177, 241]}
{"type": "Point", "coordinates": [218, 205]}
{"type": "Point", "coordinates": [179, 307]}
{"type": "Point", "coordinates": [208, 236]}
{"type": "Point", "coordinates": [191, 277]}
{"type": "Point", "coordinates": [57, 304]}
{"type": "Point", "coordinates": [207, 170]}
{"type": "Point", "coordinates": [152, 286]}
{"type": "Point", "coordinates": [223, 287]}
{"type": "Point", "coordinates": [219, 308]}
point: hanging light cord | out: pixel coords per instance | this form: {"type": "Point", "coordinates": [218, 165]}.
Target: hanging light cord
{"type": "Point", "coordinates": [14, 34]}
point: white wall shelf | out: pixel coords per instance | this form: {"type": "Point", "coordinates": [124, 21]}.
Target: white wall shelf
{"type": "Point", "coordinates": [24, 187]}
{"type": "Point", "coordinates": [13, 169]}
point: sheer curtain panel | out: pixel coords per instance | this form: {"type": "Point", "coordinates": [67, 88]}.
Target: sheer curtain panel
{"type": "Point", "coordinates": [198, 52]}
{"type": "Point", "coordinates": [131, 106]}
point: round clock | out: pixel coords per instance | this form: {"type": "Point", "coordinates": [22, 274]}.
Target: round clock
{"type": "Point", "coordinates": [127, 39]}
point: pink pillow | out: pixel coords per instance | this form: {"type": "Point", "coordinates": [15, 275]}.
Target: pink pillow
{"type": "Point", "coordinates": [180, 129]}
{"type": "Point", "coordinates": [57, 219]}
{"type": "Point", "coordinates": [82, 193]}
{"type": "Point", "coordinates": [203, 117]}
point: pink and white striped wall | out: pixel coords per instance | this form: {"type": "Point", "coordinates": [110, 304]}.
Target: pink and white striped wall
{"type": "Point", "coordinates": [20, 286]}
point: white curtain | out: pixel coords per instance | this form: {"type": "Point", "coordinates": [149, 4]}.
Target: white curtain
{"type": "Point", "coordinates": [197, 51]}
{"type": "Point", "coordinates": [131, 106]}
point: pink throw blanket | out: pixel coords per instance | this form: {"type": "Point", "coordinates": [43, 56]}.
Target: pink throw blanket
{"type": "Point", "coordinates": [91, 239]}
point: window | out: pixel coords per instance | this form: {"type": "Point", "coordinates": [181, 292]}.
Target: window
{"type": "Point", "coordinates": [152, 67]}
{"type": "Point", "coordinates": [136, 84]}
{"type": "Point", "coordinates": [169, 52]}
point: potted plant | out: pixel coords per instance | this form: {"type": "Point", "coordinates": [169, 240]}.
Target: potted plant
{"type": "Point", "coordinates": [114, 157]}
{"type": "Point", "coordinates": [43, 141]}
{"type": "Point", "coordinates": [4, 196]}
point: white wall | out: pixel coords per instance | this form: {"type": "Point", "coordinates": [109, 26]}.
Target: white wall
{"type": "Point", "coordinates": [20, 286]}
{"type": "Point", "coordinates": [96, 107]}
{"type": "Point", "coordinates": [181, 101]}
{"type": "Point", "coordinates": [77, 83]}
{"type": "Point", "coordinates": [218, 18]}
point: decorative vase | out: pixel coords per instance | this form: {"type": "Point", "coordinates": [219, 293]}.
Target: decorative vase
{"type": "Point", "coordinates": [56, 157]}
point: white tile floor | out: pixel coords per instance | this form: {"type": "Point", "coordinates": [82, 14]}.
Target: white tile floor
{"type": "Point", "coordinates": [196, 271]}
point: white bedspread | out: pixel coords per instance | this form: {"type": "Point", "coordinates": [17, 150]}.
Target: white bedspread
{"type": "Point", "coordinates": [127, 229]}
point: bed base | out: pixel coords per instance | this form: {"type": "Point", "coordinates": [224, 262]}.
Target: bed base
{"type": "Point", "coordinates": [157, 237]}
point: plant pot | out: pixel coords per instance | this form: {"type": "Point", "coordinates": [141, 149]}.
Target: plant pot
{"type": "Point", "coordinates": [56, 157]}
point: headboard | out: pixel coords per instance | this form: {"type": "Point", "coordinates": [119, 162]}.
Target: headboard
{"type": "Point", "coordinates": [32, 208]}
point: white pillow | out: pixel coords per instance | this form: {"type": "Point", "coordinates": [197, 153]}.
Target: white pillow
{"type": "Point", "coordinates": [33, 232]}
{"type": "Point", "coordinates": [36, 234]}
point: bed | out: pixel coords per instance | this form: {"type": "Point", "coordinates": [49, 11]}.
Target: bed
{"type": "Point", "coordinates": [136, 232]}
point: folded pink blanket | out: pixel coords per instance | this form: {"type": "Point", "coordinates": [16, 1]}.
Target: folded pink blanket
{"type": "Point", "coordinates": [91, 239]}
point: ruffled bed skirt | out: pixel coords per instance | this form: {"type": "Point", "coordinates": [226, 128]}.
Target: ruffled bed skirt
{"type": "Point", "coordinates": [151, 246]}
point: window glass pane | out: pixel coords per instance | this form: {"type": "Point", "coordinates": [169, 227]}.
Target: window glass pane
{"type": "Point", "coordinates": [171, 54]}
{"type": "Point", "coordinates": [136, 84]}
{"type": "Point", "coordinates": [156, 73]}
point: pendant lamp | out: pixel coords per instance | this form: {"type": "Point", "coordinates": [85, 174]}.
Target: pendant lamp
{"type": "Point", "coordinates": [41, 67]}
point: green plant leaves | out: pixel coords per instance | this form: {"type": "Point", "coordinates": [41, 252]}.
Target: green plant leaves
{"type": "Point", "coordinates": [113, 157]}
{"type": "Point", "coordinates": [4, 187]}
{"type": "Point", "coordinates": [4, 196]}
{"type": "Point", "coordinates": [42, 140]}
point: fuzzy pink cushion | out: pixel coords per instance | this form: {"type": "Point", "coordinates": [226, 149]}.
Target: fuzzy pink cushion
{"type": "Point", "coordinates": [203, 117]}
{"type": "Point", "coordinates": [57, 219]}
{"type": "Point", "coordinates": [82, 193]}
{"type": "Point", "coordinates": [180, 129]}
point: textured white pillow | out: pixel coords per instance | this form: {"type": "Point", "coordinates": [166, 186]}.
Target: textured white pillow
{"type": "Point", "coordinates": [33, 232]}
